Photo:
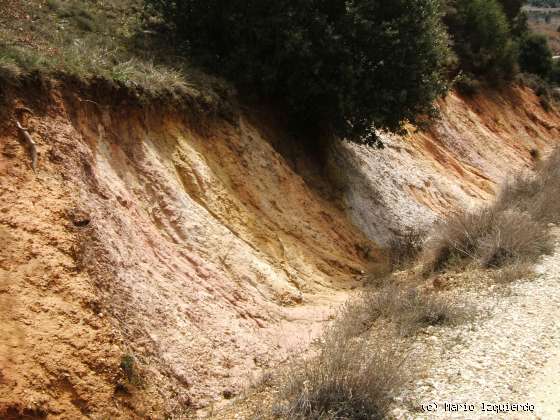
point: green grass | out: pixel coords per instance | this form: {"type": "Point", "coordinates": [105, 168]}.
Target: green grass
{"type": "Point", "coordinates": [90, 40]}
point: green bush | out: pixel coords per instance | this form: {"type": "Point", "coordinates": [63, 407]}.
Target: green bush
{"type": "Point", "coordinates": [512, 8]}
{"type": "Point", "coordinates": [336, 66]}
{"type": "Point", "coordinates": [555, 73]}
{"type": "Point", "coordinates": [467, 85]}
{"type": "Point", "coordinates": [535, 55]}
{"type": "Point", "coordinates": [482, 38]}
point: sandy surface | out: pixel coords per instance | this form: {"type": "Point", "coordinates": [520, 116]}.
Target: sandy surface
{"type": "Point", "coordinates": [509, 355]}
{"type": "Point", "coordinates": [546, 389]}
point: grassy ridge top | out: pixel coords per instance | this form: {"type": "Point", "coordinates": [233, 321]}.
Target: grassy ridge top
{"type": "Point", "coordinates": [91, 39]}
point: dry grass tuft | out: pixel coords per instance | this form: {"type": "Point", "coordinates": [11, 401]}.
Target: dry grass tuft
{"type": "Point", "coordinates": [513, 272]}
{"type": "Point", "coordinates": [512, 232]}
{"type": "Point", "coordinates": [348, 379]}
{"type": "Point", "coordinates": [536, 193]}
{"type": "Point", "coordinates": [405, 248]}
{"type": "Point", "coordinates": [409, 310]}
{"type": "Point", "coordinates": [491, 237]}
{"type": "Point", "coordinates": [361, 362]}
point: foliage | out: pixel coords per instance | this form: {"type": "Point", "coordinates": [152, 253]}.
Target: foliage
{"type": "Point", "coordinates": [512, 8]}
{"type": "Point", "coordinates": [555, 73]}
{"type": "Point", "coordinates": [535, 55]}
{"type": "Point", "coordinates": [482, 38]}
{"type": "Point", "coordinates": [467, 84]}
{"type": "Point", "coordinates": [341, 67]}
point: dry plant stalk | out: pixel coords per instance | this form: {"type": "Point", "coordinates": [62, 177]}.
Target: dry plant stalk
{"type": "Point", "coordinates": [31, 145]}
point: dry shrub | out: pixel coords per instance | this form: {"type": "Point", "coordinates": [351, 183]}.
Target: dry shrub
{"type": "Point", "coordinates": [347, 379]}
{"type": "Point", "coordinates": [359, 367]}
{"type": "Point", "coordinates": [405, 248]}
{"type": "Point", "coordinates": [492, 236]}
{"type": "Point", "coordinates": [537, 193]}
{"type": "Point", "coordinates": [513, 272]}
{"type": "Point", "coordinates": [407, 309]}
{"type": "Point", "coordinates": [514, 231]}
{"type": "Point", "coordinates": [514, 237]}
{"type": "Point", "coordinates": [455, 239]}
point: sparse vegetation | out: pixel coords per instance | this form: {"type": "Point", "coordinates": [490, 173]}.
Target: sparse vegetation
{"type": "Point", "coordinates": [510, 273]}
{"type": "Point", "coordinates": [130, 370]}
{"type": "Point", "coordinates": [347, 379]}
{"type": "Point", "coordinates": [404, 307]}
{"type": "Point", "coordinates": [512, 232]}
{"type": "Point", "coordinates": [535, 193]}
{"type": "Point", "coordinates": [361, 361]}
{"type": "Point", "coordinates": [404, 248]}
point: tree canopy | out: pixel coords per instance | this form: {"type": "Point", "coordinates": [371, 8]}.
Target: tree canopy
{"type": "Point", "coordinates": [346, 67]}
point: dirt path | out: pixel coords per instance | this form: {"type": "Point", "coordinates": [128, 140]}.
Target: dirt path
{"type": "Point", "coordinates": [510, 355]}
{"type": "Point", "coordinates": [546, 392]}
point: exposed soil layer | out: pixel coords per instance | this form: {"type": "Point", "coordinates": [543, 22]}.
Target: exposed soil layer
{"type": "Point", "coordinates": [188, 247]}
{"type": "Point", "coordinates": [458, 162]}
{"type": "Point", "coordinates": [156, 261]}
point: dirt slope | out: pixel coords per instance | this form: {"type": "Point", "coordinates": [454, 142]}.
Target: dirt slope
{"type": "Point", "coordinates": [205, 252]}
{"type": "Point", "coordinates": [456, 163]}
{"type": "Point", "coordinates": [189, 246]}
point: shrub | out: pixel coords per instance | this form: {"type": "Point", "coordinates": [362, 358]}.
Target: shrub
{"type": "Point", "coordinates": [342, 67]}
{"type": "Point", "coordinates": [467, 84]}
{"type": "Point", "coordinates": [482, 38]}
{"type": "Point", "coordinates": [404, 248]}
{"type": "Point", "coordinates": [512, 8]}
{"type": "Point", "coordinates": [514, 237]}
{"type": "Point", "coordinates": [535, 194]}
{"type": "Point", "coordinates": [554, 75]}
{"type": "Point", "coordinates": [407, 309]}
{"type": "Point", "coordinates": [348, 379]}
{"type": "Point", "coordinates": [535, 55]}
{"type": "Point", "coordinates": [355, 374]}
{"type": "Point", "coordinates": [493, 236]}
{"type": "Point", "coordinates": [513, 231]}
{"type": "Point", "coordinates": [513, 272]}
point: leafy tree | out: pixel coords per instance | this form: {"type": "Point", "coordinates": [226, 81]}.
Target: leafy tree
{"type": "Point", "coordinates": [482, 38]}
{"type": "Point", "coordinates": [535, 55]}
{"type": "Point", "coordinates": [341, 66]}
{"type": "Point", "coordinates": [512, 8]}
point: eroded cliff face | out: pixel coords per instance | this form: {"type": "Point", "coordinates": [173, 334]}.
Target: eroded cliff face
{"type": "Point", "coordinates": [198, 252]}
{"type": "Point", "coordinates": [458, 162]}
{"type": "Point", "coordinates": [191, 247]}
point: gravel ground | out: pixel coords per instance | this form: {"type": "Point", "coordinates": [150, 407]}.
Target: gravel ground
{"type": "Point", "coordinates": [511, 354]}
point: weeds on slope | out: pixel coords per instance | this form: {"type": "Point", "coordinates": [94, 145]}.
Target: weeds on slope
{"type": "Point", "coordinates": [363, 360]}
{"type": "Point", "coordinates": [509, 235]}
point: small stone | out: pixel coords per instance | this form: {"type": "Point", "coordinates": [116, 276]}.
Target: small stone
{"type": "Point", "coordinates": [228, 394]}
{"type": "Point", "coordinates": [79, 217]}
